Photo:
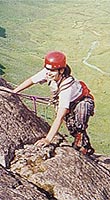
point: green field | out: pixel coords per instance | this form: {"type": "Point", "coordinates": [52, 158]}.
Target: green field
{"type": "Point", "coordinates": [79, 28]}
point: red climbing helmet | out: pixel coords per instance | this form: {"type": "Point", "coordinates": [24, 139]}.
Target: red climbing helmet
{"type": "Point", "coordinates": [55, 60]}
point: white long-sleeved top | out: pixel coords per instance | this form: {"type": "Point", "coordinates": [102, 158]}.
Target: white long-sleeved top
{"type": "Point", "coordinates": [67, 94]}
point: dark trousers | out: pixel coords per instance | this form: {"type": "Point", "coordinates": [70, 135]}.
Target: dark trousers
{"type": "Point", "coordinates": [78, 117]}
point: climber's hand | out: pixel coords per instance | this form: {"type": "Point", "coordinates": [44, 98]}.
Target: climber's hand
{"type": "Point", "coordinates": [42, 142]}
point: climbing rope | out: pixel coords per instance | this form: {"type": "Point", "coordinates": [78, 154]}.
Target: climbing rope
{"type": "Point", "coordinates": [35, 99]}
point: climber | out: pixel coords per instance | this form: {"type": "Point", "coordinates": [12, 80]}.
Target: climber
{"type": "Point", "coordinates": [73, 100]}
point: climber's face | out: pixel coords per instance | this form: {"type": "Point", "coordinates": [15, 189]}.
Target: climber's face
{"type": "Point", "coordinates": [54, 75]}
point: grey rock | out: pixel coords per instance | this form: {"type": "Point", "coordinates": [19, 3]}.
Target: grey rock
{"type": "Point", "coordinates": [18, 125]}
{"type": "Point", "coordinates": [56, 172]}
{"type": "Point", "coordinates": [67, 175]}
{"type": "Point", "coordinates": [13, 187]}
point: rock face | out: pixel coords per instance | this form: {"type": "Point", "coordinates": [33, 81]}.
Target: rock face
{"type": "Point", "coordinates": [67, 175]}
{"type": "Point", "coordinates": [13, 186]}
{"type": "Point", "coordinates": [56, 172]}
{"type": "Point", "coordinates": [18, 125]}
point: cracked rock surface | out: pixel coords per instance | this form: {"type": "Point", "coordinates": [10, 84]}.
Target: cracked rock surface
{"type": "Point", "coordinates": [56, 172]}
{"type": "Point", "coordinates": [18, 125]}
{"type": "Point", "coordinates": [66, 175]}
{"type": "Point", "coordinates": [13, 186]}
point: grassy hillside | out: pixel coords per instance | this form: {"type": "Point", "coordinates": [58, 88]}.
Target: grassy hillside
{"type": "Point", "coordinates": [81, 29]}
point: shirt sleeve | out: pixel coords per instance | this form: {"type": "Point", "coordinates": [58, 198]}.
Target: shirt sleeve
{"type": "Point", "coordinates": [40, 77]}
